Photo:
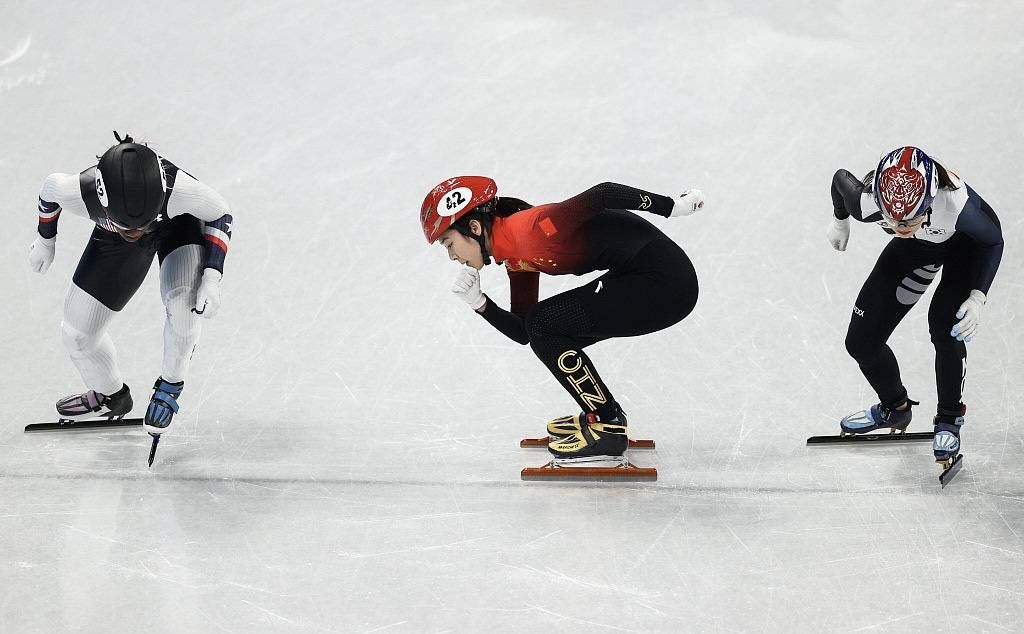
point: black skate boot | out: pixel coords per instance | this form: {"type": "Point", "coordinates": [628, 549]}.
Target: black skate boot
{"type": "Point", "coordinates": [879, 416]}
{"type": "Point", "coordinates": [596, 440]}
{"type": "Point", "coordinates": [946, 442]}
{"type": "Point", "coordinates": [92, 404]}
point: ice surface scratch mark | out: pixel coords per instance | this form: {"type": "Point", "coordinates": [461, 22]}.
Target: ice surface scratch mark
{"type": "Point", "coordinates": [581, 621]}
{"type": "Point", "coordinates": [257, 485]}
{"type": "Point", "coordinates": [95, 536]}
{"type": "Point", "coordinates": [557, 574]}
{"type": "Point", "coordinates": [747, 548]}
{"type": "Point", "coordinates": [825, 284]}
{"type": "Point", "coordinates": [167, 578]}
{"type": "Point", "coordinates": [19, 51]}
{"type": "Point", "coordinates": [542, 537]}
{"type": "Point", "coordinates": [1002, 627]}
{"type": "Point", "coordinates": [1002, 550]}
{"type": "Point", "coordinates": [345, 385]}
{"type": "Point", "coordinates": [892, 620]}
{"type": "Point", "coordinates": [815, 563]}
{"type": "Point", "coordinates": [262, 609]}
{"type": "Point", "coordinates": [650, 608]}
{"type": "Point", "coordinates": [1008, 497]}
{"type": "Point", "coordinates": [250, 440]}
{"type": "Point", "coordinates": [985, 585]}
{"type": "Point", "coordinates": [385, 627]}
{"type": "Point", "coordinates": [669, 524]}
{"type": "Point", "coordinates": [1002, 517]}
{"type": "Point", "coordinates": [211, 621]}
{"type": "Point", "coordinates": [421, 549]}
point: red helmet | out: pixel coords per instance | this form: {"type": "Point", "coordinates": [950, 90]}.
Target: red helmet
{"type": "Point", "coordinates": [453, 199]}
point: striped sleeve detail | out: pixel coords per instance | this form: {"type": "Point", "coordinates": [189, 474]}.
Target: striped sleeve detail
{"type": "Point", "coordinates": [48, 215]}
{"type": "Point", "coordinates": [217, 237]}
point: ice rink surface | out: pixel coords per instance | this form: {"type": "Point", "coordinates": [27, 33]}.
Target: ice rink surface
{"type": "Point", "coordinates": [346, 456]}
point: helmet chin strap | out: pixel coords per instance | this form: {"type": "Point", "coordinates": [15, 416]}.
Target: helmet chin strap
{"type": "Point", "coordinates": [482, 241]}
{"type": "Point", "coordinates": [483, 248]}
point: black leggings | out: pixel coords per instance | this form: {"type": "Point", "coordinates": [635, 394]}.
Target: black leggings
{"type": "Point", "coordinates": [903, 272]}
{"type": "Point", "coordinates": [111, 268]}
{"type": "Point", "coordinates": [657, 288]}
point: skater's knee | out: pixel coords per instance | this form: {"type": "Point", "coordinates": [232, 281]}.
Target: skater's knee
{"type": "Point", "coordinates": [559, 316]}
{"type": "Point", "coordinates": [538, 321]}
{"type": "Point", "coordinates": [77, 341]}
{"type": "Point", "coordinates": [687, 300]}
{"type": "Point", "coordinates": [941, 337]}
{"type": "Point", "coordinates": [178, 303]}
{"type": "Point", "coordinates": [862, 348]}
{"type": "Point", "coordinates": [946, 341]}
{"type": "Point", "coordinates": [542, 331]}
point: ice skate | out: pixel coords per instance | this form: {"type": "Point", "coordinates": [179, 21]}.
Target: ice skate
{"type": "Point", "coordinates": [162, 406]}
{"type": "Point", "coordinates": [565, 426]}
{"type": "Point", "coordinates": [92, 404]}
{"type": "Point", "coordinates": [946, 442]}
{"type": "Point", "coordinates": [595, 452]}
{"type": "Point", "coordinates": [878, 416]}
{"type": "Point", "coordinates": [597, 440]}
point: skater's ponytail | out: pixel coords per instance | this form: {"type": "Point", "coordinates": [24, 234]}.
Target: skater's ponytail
{"type": "Point", "coordinates": [485, 214]}
{"type": "Point", "coordinates": [947, 179]}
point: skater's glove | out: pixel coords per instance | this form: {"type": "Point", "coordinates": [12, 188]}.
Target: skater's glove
{"type": "Point", "coordinates": [40, 253]}
{"type": "Point", "coordinates": [838, 233]}
{"type": "Point", "coordinates": [689, 202]}
{"type": "Point", "coordinates": [969, 316]}
{"type": "Point", "coordinates": [208, 295]}
{"type": "Point", "coordinates": [467, 288]}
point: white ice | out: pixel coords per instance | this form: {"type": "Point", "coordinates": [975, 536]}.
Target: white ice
{"type": "Point", "coordinates": [346, 456]}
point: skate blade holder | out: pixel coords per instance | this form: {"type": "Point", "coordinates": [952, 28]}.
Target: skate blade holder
{"type": "Point", "coordinates": [66, 424]}
{"type": "Point", "coordinates": [862, 439]}
{"type": "Point", "coordinates": [601, 469]}
{"type": "Point", "coordinates": [543, 442]}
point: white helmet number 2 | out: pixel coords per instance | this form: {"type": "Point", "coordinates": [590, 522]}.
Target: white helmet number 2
{"type": "Point", "coordinates": [455, 201]}
{"type": "Point", "coordinates": [101, 189]}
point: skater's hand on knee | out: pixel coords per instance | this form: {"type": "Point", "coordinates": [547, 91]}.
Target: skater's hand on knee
{"type": "Point", "coordinates": [41, 252]}
{"type": "Point", "coordinates": [467, 288]}
{"type": "Point", "coordinates": [690, 202]}
{"type": "Point", "coordinates": [208, 295]}
{"type": "Point", "coordinates": [969, 316]}
{"type": "Point", "coordinates": [838, 233]}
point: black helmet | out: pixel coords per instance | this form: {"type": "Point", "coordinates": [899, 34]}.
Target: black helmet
{"type": "Point", "coordinates": [130, 184]}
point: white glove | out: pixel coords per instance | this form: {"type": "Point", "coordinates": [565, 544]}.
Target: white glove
{"type": "Point", "coordinates": [969, 316]}
{"type": "Point", "coordinates": [208, 295]}
{"type": "Point", "coordinates": [467, 288]}
{"type": "Point", "coordinates": [838, 233]}
{"type": "Point", "coordinates": [40, 253]}
{"type": "Point", "coordinates": [688, 203]}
